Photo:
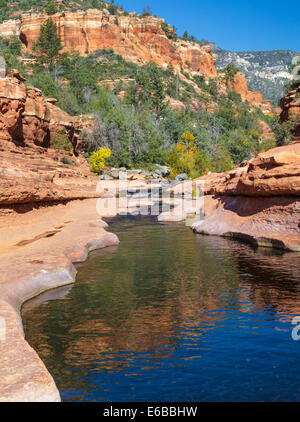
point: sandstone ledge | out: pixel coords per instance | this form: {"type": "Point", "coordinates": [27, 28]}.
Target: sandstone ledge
{"type": "Point", "coordinates": [266, 222]}
{"type": "Point", "coordinates": [258, 202]}
{"type": "Point", "coordinates": [37, 253]}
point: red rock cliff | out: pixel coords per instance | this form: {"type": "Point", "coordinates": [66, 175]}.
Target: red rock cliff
{"type": "Point", "coordinates": [137, 39]}
{"type": "Point", "coordinates": [9, 28]}
{"type": "Point", "coordinates": [238, 84]}
{"type": "Point", "coordinates": [26, 119]}
{"type": "Point", "coordinates": [290, 105]}
{"type": "Point", "coordinates": [30, 171]}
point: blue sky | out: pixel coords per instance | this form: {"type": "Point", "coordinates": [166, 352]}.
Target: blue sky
{"type": "Point", "coordinates": [233, 25]}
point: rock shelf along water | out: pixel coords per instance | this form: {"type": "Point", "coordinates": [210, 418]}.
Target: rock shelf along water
{"type": "Point", "coordinates": [170, 315]}
{"type": "Point", "coordinates": [38, 252]}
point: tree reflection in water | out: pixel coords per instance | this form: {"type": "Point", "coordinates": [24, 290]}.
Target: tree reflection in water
{"type": "Point", "coordinates": [167, 304]}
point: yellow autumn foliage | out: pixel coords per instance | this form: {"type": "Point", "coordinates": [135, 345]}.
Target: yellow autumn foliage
{"type": "Point", "coordinates": [98, 159]}
{"type": "Point", "coordinates": [183, 156]}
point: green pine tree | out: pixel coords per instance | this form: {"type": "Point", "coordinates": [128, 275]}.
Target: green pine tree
{"type": "Point", "coordinates": [51, 7]}
{"type": "Point", "coordinates": [48, 46]}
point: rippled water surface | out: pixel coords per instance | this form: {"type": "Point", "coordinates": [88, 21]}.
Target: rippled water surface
{"type": "Point", "coordinates": [172, 316]}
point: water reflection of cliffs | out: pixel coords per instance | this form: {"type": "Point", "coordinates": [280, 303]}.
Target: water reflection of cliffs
{"type": "Point", "coordinates": [154, 292]}
{"type": "Point", "coordinates": [273, 280]}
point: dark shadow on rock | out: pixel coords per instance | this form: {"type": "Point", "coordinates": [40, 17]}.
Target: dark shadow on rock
{"type": "Point", "coordinates": [245, 206]}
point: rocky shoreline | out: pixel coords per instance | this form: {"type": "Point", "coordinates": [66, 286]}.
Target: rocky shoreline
{"type": "Point", "coordinates": [258, 202]}
{"type": "Point", "coordinates": [40, 248]}
{"type": "Point", "coordinates": [59, 238]}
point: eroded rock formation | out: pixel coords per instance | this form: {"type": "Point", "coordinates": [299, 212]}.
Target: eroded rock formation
{"type": "Point", "coordinates": [272, 173]}
{"type": "Point", "coordinates": [290, 105]}
{"type": "Point", "coordinates": [259, 201]}
{"type": "Point", "coordinates": [137, 39]}
{"type": "Point", "coordinates": [238, 84]}
{"type": "Point", "coordinates": [27, 119]}
{"type": "Point", "coordinates": [30, 170]}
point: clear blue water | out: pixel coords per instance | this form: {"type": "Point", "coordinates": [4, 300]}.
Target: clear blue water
{"type": "Point", "coordinates": [172, 316]}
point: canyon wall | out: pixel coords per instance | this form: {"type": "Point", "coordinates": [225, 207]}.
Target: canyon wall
{"type": "Point", "coordinates": [27, 119]}
{"type": "Point", "coordinates": [238, 84]}
{"type": "Point", "coordinates": [30, 170]}
{"type": "Point", "coordinates": [10, 27]}
{"type": "Point", "coordinates": [137, 39]}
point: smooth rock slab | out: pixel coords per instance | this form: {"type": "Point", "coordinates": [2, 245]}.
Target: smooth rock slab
{"type": "Point", "coordinates": [268, 222]}
{"type": "Point", "coordinates": [37, 253]}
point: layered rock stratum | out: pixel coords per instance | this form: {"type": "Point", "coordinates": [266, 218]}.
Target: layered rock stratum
{"type": "Point", "coordinates": [260, 200]}
{"type": "Point", "coordinates": [30, 169]}
{"type": "Point", "coordinates": [137, 39]}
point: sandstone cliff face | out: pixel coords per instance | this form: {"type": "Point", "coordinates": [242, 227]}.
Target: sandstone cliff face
{"type": "Point", "coordinates": [259, 202]}
{"type": "Point", "coordinates": [26, 119]}
{"type": "Point", "coordinates": [238, 84]}
{"type": "Point", "coordinates": [29, 169]}
{"type": "Point", "coordinates": [137, 39]}
{"type": "Point", "coordinates": [9, 28]}
{"type": "Point", "coordinates": [290, 105]}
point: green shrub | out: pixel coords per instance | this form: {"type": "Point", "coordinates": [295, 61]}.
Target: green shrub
{"type": "Point", "coordinates": [202, 164]}
{"type": "Point", "coordinates": [113, 9]}
{"type": "Point", "coordinates": [11, 45]}
{"type": "Point", "coordinates": [170, 33]}
{"type": "Point", "coordinates": [234, 97]}
{"type": "Point", "coordinates": [43, 81]}
{"type": "Point", "coordinates": [230, 71]}
{"type": "Point", "coordinates": [68, 161]}
{"type": "Point", "coordinates": [51, 7]}
{"type": "Point", "coordinates": [60, 141]}
{"type": "Point", "coordinates": [221, 159]}
{"type": "Point", "coordinates": [283, 131]}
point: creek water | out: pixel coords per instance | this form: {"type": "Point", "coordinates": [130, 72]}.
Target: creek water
{"type": "Point", "coordinates": [172, 316]}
